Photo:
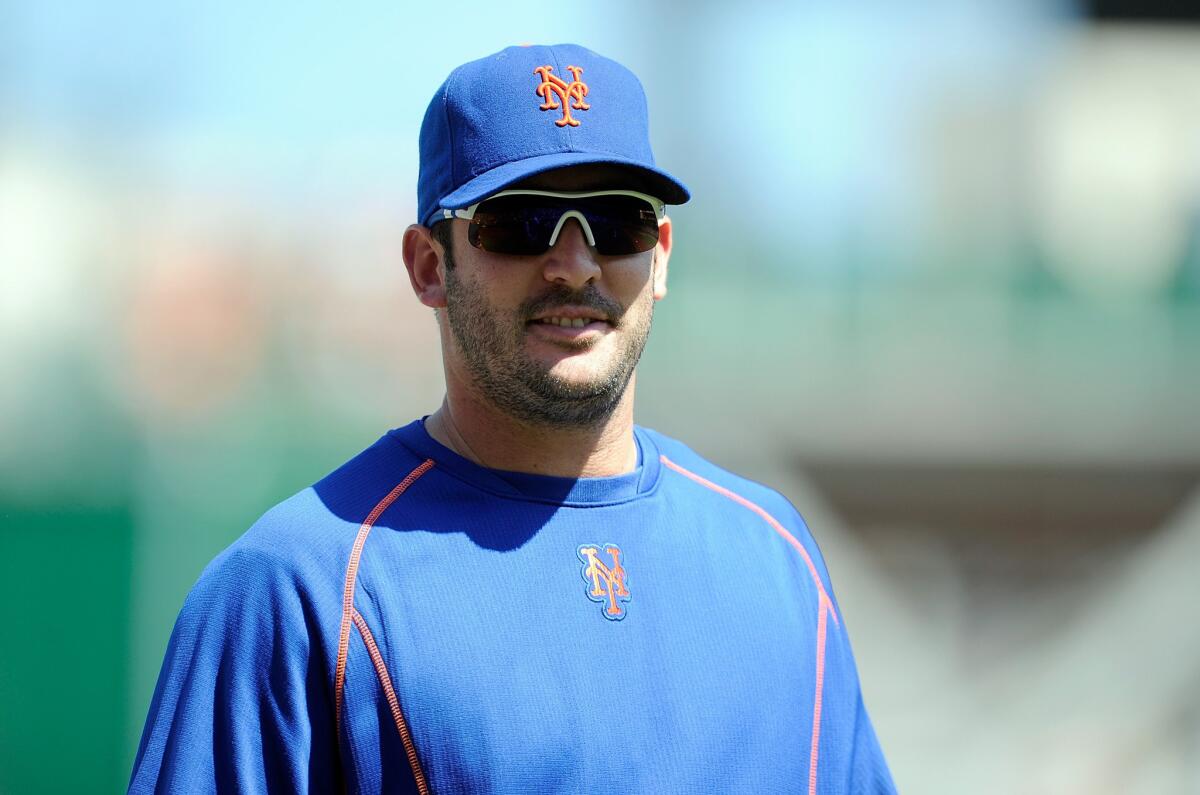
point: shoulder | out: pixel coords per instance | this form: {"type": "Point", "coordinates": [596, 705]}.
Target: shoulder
{"type": "Point", "coordinates": [301, 545]}
{"type": "Point", "coordinates": [277, 571]}
{"type": "Point", "coordinates": [291, 537]}
{"type": "Point", "coordinates": [685, 467]}
{"type": "Point", "coordinates": [682, 460]}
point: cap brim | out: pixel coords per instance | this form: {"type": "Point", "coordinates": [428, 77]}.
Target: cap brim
{"type": "Point", "coordinates": [653, 181]}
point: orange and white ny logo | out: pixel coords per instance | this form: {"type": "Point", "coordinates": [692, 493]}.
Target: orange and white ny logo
{"type": "Point", "coordinates": [606, 583]}
{"type": "Point", "coordinates": [553, 89]}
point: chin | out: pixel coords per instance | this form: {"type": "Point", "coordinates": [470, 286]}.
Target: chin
{"type": "Point", "coordinates": [580, 375]}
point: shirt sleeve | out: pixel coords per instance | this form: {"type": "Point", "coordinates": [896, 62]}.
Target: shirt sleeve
{"type": "Point", "coordinates": [869, 773]}
{"type": "Point", "coordinates": [856, 765]}
{"type": "Point", "coordinates": [243, 702]}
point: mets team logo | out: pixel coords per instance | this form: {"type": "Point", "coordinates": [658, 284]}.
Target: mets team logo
{"type": "Point", "coordinates": [558, 93]}
{"type": "Point", "coordinates": [605, 583]}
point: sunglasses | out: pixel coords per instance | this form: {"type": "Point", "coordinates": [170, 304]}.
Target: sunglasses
{"type": "Point", "coordinates": [528, 222]}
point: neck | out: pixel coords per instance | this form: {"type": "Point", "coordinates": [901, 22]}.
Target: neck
{"type": "Point", "coordinates": [477, 430]}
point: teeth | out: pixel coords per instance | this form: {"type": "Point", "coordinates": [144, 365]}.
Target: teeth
{"type": "Point", "coordinates": [567, 322]}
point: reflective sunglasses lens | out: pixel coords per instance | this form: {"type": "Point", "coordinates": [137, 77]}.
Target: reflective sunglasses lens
{"type": "Point", "coordinates": [621, 224]}
{"type": "Point", "coordinates": [521, 225]}
{"type": "Point", "coordinates": [505, 226]}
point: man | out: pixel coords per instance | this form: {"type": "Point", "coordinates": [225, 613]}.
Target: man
{"type": "Point", "coordinates": [524, 592]}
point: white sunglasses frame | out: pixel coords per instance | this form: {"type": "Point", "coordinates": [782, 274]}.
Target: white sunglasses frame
{"type": "Point", "coordinates": [660, 209]}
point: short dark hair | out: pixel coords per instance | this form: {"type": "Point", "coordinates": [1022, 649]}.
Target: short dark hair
{"type": "Point", "coordinates": [443, 233]}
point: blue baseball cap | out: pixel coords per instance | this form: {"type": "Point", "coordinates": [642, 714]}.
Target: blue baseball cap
{"type": "Point", "coordinates": [526, 110]}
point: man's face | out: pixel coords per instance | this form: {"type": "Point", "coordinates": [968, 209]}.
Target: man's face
{"type": "Point", "coordinates": [551, 339]}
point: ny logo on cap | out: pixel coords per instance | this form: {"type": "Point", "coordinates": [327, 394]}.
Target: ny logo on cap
{"type": "Point", "coordinates": [571, 94]}
{"type": "Point", "coordinates": [607, 583]}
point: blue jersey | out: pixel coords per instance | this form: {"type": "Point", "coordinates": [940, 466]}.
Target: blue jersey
{"type": "Point", "coordinates": [415, 622]}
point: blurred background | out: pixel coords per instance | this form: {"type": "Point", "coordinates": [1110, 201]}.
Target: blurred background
{"type": "Point", "coordinates": [939, 283]}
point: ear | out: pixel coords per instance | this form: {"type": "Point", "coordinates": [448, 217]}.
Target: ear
{"type": "Point", "coordinates": [423, 258]}
{"type": "Point", "coordinates": [662, 253]}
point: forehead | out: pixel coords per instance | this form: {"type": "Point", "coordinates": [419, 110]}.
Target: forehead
{"type": "Point", "coordinates": [592, 176]}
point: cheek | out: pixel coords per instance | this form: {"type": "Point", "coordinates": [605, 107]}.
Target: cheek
{"type": "Point", "coordinates": [483, 291]}
{"type": "Point", "coordinates": [629, 283]}
{"type": "Point", "coordinates": [639, 302]}
{"type": "Point", "coordinates": [506, 287]}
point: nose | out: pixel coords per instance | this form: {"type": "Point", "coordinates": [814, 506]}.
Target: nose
{"type": "Point", "coordinates": [571, 261]}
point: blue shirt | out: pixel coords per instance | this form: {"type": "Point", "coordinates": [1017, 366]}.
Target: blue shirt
{"type": "Point", "coordinates": [415, 622]}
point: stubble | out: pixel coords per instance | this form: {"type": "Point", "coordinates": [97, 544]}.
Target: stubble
{"type": "Point", "coordinates": [493, 343]}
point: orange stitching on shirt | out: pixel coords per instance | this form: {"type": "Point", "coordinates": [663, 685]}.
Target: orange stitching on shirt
{"type": "Point", "coordinates": [824, 606]}
{"type": "Point", "coordinates": [410, 750]}
{"type": "Point", "coordinates": [816, 729]}
{"type": "Point", "coordinates": [339, 678]}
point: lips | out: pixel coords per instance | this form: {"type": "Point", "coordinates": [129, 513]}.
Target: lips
{"type": "Point", "coordinates": [567, 322]}
{"type": "Point", "coordinates": [570, 325]}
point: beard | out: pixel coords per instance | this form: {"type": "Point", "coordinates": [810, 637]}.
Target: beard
{"type": "Point", "coordinates": [493, 347]}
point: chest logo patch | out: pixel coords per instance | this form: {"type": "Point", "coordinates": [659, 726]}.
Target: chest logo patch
{"type": "Point", "coordinates": [605, 582]}
{"type": "Point", "coordinates": [558, 93]}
